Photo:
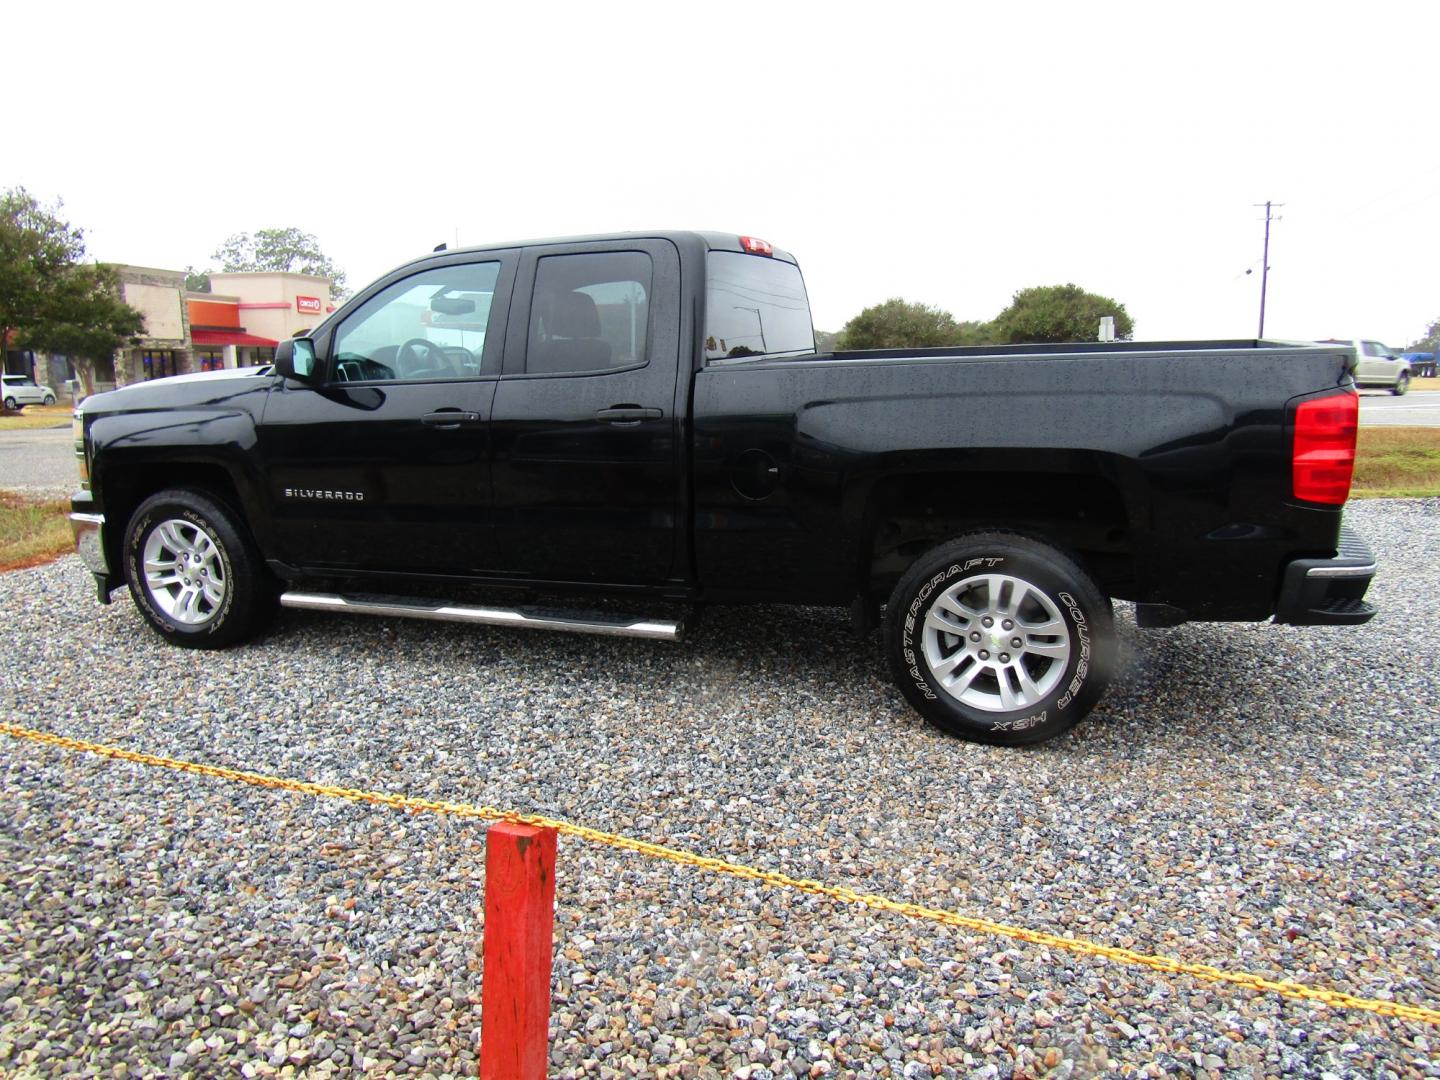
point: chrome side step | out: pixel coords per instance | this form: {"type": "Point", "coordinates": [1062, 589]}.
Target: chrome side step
{"type": "Point", "coordinates": [578, 622]}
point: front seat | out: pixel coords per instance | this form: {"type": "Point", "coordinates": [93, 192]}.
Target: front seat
{"type": "Point", "coordinates": [569, 335]}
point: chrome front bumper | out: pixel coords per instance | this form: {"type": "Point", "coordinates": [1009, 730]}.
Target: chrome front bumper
{"type": "Point", "coordinates": [90, 542]}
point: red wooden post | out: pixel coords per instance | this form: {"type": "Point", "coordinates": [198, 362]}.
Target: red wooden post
{"type": "Point", "coordinates": [519, 936]}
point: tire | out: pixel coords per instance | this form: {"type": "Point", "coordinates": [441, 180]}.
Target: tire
{"type": "Point", "coordinates": [49, 399]}
{"type": "Point", "coordinates": [193, 572]}
{"type": "Point", "coordinates": [993, 575]}
{"type": "Point", "coordinates": [1402, 383]}
{"type": "Point", "coordinates": [10, 404]}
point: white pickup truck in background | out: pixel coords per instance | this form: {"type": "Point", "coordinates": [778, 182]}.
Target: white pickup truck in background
{"type": "Point", "coordinates": [1378, 365]}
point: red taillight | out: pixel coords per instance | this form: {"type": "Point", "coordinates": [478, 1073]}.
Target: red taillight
{"type": "Point", "coordinates": [755, 246]}
{"type": "Point", "coordinates": [1324, 454]}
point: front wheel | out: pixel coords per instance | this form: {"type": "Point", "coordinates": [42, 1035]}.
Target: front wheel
{"type": "Point", "coordinates": [49, 399]}
{"type": "Point", "coordinates": [999, 638]}
{"type": "Point", "coordinates": [192, 570]}
{"type": "Point", "coordinates": [1401, 384]}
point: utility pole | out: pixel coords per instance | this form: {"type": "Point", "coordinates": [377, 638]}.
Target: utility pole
{"type": "Point", "coordinates": [759, 319]}
{"type": "Point", "coordinates": [1265, 263]}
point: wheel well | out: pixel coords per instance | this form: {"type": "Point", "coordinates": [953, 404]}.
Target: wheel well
{"type": "Point", "coordinates": [126, 489]}
{"type": "Point", "coordinates": [1085, 515]}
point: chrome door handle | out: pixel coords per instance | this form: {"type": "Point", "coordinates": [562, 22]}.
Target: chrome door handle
{"type": "Point", "coordinates": [627, 414]}
{"type": "Point", "coordinates": [449, 418]}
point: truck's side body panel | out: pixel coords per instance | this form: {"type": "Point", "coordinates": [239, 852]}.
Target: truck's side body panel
{"type": "Point", "coordinates": [1193, 447]}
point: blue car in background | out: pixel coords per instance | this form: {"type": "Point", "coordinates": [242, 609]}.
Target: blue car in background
{"type": "Point", "coordinates": [1421, 363]}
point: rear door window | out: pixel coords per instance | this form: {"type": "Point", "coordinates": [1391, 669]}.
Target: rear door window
{"type": "Point", "coordinates": [590, 312]}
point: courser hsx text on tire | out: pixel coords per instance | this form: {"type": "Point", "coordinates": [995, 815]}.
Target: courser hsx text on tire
{"type": "Point", "coordinates": [999, 638]}
{"type": "Point", "coordinates": [192, 570]}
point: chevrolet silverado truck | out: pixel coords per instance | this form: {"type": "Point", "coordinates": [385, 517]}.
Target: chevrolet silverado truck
{"type": "Point", "coordinates": [641, 425]}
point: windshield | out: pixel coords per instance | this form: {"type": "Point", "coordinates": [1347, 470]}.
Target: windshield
{"type": "Point", "coordinates": [755, 306]}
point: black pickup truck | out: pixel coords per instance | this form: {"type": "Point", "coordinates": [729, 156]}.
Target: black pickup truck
{"type": "Point", "coordinates": [644, 418]}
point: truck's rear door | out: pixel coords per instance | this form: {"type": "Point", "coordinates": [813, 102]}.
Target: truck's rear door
{"type": "Point", "coordinates": [585, 438]}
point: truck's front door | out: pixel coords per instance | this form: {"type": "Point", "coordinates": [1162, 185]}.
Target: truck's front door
{"type": "Point", "coordinates": [585, 433]}
{"type": "Point", "coordinates": [384, 465]}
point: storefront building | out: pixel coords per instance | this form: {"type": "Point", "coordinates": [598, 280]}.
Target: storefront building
{"type": "Point", "coordinates": [165, 348]}
{"type": "Point", "coordinates": [276, 305]}
{"type": "Point", "coordinates": [238, 325]}
{"type": "Point", "coordinates": [218, 338]}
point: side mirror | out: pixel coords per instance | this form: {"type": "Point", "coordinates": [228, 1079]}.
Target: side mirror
{"type": "Point", "coordinates": [295, 359]}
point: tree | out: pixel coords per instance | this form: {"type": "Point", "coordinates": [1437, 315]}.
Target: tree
{"type": "Point", "coordinates": [1430, 342]}
{"type": "Point", "coordinates": [282, 250]}
{"type": "Point", "coordinates": [49, 300]}
{"type": "Point", "coordinates": [898, 324]}
{"type": "Point", "coordinates": [1054, 313]}
{"type": "Point", "coordinates": [86, 320]}
{"type": "Point", "coordinates": [197, 280]}
{"type": "Point", "coordinates": [36, 247]}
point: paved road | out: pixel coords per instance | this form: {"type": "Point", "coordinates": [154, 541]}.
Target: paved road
{"type": "Point", "coordinates": [40, 462]}
{"type": "Point", "coordinates": [1421, 409]}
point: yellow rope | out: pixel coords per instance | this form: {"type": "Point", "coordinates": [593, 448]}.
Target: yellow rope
{"type": "Point", "coordinates": [1167, 964]}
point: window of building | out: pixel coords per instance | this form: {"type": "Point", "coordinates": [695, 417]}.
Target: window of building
{"type": "Point", "coordinates": [210, 359]}
{"type": "Point", "coordinates": [158, 363]}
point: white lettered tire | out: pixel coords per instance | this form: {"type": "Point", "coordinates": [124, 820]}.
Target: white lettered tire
{"type": "Point", "coordinates": [999, 638]}
{"type": "Point", "coordinates": [192, 570]}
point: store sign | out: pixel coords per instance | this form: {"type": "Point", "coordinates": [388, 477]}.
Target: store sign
{"type": "Point", "coordinates": [307, 303]}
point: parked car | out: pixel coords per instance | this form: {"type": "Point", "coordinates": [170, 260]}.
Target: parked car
{"type": "Point", "coordinates": [1377, 365]}
{"type": "Point", "coordinates": [598, 416]}
{"type": "Point", "coordinates": [22, 390]}
{"type": "Point", "coordinates": [1422, 364]}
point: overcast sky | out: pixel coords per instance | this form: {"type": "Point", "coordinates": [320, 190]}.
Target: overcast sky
{"type": "Point", "coordinates": [950, 154]}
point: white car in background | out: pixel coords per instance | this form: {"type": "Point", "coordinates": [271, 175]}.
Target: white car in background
{"type": "Point", "coordinates": [1379, 365]}
{"type": "Point", "coordinates": [23, 390]}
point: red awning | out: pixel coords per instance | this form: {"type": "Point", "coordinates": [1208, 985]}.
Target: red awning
{"type": "Point", "coordinates": [229, 337]}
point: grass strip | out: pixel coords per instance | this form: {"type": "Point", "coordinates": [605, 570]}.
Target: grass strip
{"type": "Point", "coordinates": [35, 417]}
{"type": "Point", "coordinates": [32, 531]}
{"type": "Point", "coordinates": [1397, 462]}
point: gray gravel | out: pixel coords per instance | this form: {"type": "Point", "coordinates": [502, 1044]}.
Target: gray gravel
{"type": "Point", "coordinates": [1252, 797]}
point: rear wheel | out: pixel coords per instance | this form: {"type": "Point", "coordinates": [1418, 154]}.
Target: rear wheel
{"type": "Point", "coordinates": [999, 638]}
{"type": "Point", "coordinates": [192, 570]}
{"type": "Point", "coordinates": [10, 404]}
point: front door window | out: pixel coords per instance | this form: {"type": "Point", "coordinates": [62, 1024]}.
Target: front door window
{"type": "Point", "coordinates": [425, 328]}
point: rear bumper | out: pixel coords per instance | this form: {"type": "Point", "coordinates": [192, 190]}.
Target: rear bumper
{"type": "Point", "coordinates": [1329, 592]}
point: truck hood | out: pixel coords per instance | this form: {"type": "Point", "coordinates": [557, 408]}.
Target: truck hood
{"type": "Point", "coordinates": [179, 390]}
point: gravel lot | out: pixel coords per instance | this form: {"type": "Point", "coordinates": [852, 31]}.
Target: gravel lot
{"type": "Point", "coordinates": [1251, 797]}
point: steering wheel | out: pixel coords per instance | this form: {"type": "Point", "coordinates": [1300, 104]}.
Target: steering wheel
{"type": "Point", "coordinates": [434, 358]}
